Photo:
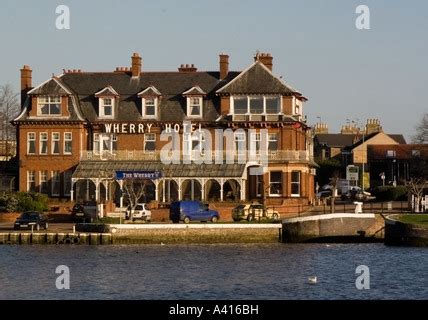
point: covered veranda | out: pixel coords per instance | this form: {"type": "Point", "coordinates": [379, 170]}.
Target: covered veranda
{"type": "Point", "coordinates": [97, 180]}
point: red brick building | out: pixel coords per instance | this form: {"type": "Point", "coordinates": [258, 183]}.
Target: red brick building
{"type": "Point", "coordinates": [79, 131]}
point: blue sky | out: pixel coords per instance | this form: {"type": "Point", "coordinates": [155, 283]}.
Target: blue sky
{"type": "Point", "coordinates": [346, 73]}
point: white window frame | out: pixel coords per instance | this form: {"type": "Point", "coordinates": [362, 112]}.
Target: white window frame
{"type": "Point", "coordinates": [41, 140]}
{"type": "Point", "coordinates": [259, 185]}
{"type": "Point", "coordinates": [98, 144]}
{"type": "Point", "coordinates": [144, 107]}
{"type": "Point", "coordinates": [29, 134]}
{"type": "Point", "coordinates": [240, 140]}
{"type": "Point", "coordinates": [53, 143]}
{"type": "Point", "coordinates": [189, 138]}
{"type": "Point", "coordinates": [152, 135]}
{"type": "Point", "coordinates": [33, 180]}
{"type": "Point", "coordinates": [255, 137]}
{"type": "Point", "coordinates": [70, 140]}
{"type": "Point", "coordinates": [280, 183]}
{"type": "Point", "coordinates": [55, 177]}
{"type": "Point", "coordinates": [102, 107]}
{"type": "Point", "coordinates": [189, 106]}
{"type": "Point", "coordinates": [48, 102]}
{"type": "Point", "coordinates": [299, 183]}
{"type": "Point", "coordinates": [270, 135]}
{"type": "Point", "coordinates": [43, 178]}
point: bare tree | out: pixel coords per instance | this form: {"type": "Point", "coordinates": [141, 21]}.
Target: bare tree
{"type": "Point", "coordinates": [134, 190]}
{"type": "Point", "coordinates": [9, 108]}
{"type": "Point", "coordinates": [421, 135]}
{"type": "Point", "coordinates": [416, 187]}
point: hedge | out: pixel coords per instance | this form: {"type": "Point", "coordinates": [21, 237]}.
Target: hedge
{"type": "Point", "coordinates": [23, 201]}
{"type": "Point", "coordinates": [389, 193]}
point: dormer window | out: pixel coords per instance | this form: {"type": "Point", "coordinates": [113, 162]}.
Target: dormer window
{"type": "Point", "coordinates": [194, 102]}
{"type": "Point", "coordinates": [106, 102]}
{"type": "Point", "coordinates": [150, 107]}
{"type": "Point", "coordinates": [49, 106]}
{"type": "Point", "coordinates": [149, 102]}
{"type": "Point", "coordinates": [194, 106]}
{"type": "Point", "coordinates": [106, 108]}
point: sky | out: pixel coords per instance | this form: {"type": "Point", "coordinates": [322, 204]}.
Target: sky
{"type": "Point", "coordinates": [346, 73]}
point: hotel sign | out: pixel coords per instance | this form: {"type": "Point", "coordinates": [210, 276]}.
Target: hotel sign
{"type": "Point", "coordinates": [129, 175]}
{"type": "Point", "coordinates": [139, 128]}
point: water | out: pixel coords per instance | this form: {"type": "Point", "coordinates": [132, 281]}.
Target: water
{"type": "Point", "coordinates": [274, 271]}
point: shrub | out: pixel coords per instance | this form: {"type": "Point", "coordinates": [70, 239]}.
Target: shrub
{"type": "Point", "coordinates": [389, 193]}
{"type": "Point", "coordinates": [23, 201]}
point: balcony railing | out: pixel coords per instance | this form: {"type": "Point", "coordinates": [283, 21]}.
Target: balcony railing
{"type": "Point", "coordinates": [237, 157]}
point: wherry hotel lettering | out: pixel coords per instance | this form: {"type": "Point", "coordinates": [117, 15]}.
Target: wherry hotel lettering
{"type": "Point", "coordinates": [203, 132]}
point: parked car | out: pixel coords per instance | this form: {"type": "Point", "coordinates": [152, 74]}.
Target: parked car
{"type": "Point", "coordinates": [31, 220]}
{"type": "Point", "coordinates": [324, 194]}
{"type": "Point", "coordinates": [191, 211]}
{"type": "Point", "coordinates": [141, 211]}
{"type": "Point", "coordinates": [90, 210]}
{"type": "Point", "coordinates": [253, 211]}
{"type": "Point", "coordinates": [77, 213]}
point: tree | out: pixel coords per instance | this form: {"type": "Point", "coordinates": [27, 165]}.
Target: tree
{"type": "Point", "coordinates": [327, 169]}
{"type": "Point", "coordinates": [9, 109]}
{"type": "Point", "coordinates": [416, 187]}
{"type": "Point", "coordinates": [134, 190]}
{"type": "Point", "coordinates": [421, 135]}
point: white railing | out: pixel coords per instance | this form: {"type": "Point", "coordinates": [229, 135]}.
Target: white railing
{"type": "Point", "coordinates": [139, 155]}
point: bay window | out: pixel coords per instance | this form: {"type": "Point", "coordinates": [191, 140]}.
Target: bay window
{"type": "Point", "coordinates": [275, 186]}
{"type": "Point", "coordinates": [295, 183]}
{"type": "Point", "coordinates": [255, 105]}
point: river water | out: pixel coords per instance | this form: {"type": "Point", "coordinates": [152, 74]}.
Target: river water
{"type": "Point", "coordinates": [274, 271]}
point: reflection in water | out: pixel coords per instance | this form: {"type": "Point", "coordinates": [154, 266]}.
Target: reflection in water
{"type": "Point", "coordinates": [274, 271]}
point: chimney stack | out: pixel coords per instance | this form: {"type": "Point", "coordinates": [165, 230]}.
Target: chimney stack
{"type": "Point", "coordinates": [26, 82]}
{"type": "Point", "coordinates": [224, 66]}
{"type": "Point", "coordinates": [265, 58]}
{"type": "Point", "coordinates": [373, 125]}
{"type": "Point", "coordinates": [136, 65]}
{"type": "Point", "coordinates": [187, 68]}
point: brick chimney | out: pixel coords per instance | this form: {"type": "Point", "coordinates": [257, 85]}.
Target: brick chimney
{"type": "Point", "coordinates": [224, 66]}
{"type": "Point", "coordinates": [26, 82]}
{"type": "Point", "coordinates": [265, 58]}
{"type": "Point", "coordinates": [321, 128]}
{"type": "Point", "coordinates": [136, 65]}
{"type": "Point", "coordinates": [187, 68]}
{"type": "Point", "coordinates": [372, 126]}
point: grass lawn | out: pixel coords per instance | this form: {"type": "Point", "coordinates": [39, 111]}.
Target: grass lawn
{"type": "Point", "coordinates": [420, 219]}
